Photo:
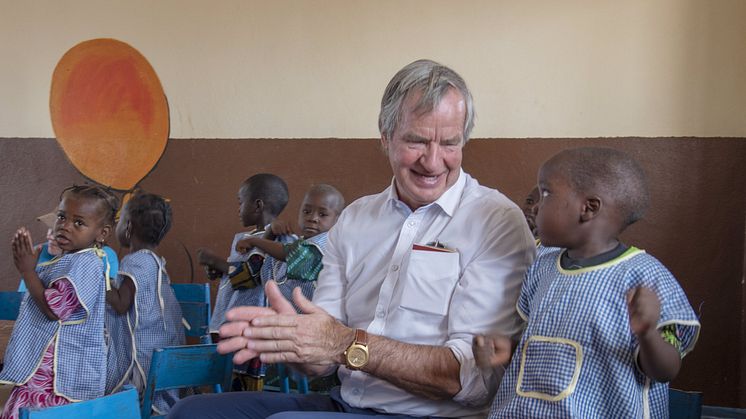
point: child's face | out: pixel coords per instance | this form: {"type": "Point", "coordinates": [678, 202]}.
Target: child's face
{"type": "Point", "coordinates": [530, 208]}
{"type": "Point", "coordinates": [121, 231]}
{"type": "Point", "coordinates": [80, 223]}
{"type": "Point", "coordinates": [247, 207]}
{"type": "Point", "coordinates": [559, 210]}
{"type": "Point", "coordinates": [317, 213]}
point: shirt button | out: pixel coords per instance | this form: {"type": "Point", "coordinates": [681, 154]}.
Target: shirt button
{"type": "Point", "coordinates": [356, 391]}
{"type": "Point", "coordinates": [380, 313]}
{"type": "Point", "coordinates": [395, 268]}
{"type": "Point", "coordinates": [412, 223]}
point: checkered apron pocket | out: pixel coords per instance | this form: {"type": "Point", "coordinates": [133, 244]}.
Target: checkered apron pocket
{"type": "Point", "coordinates": [550, 368]}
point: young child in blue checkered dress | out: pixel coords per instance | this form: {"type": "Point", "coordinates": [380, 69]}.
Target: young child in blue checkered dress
{"type": "Point", "coordinates": [294, 261]}
{"type": "Point", "coordinates": [608, 324]}
{"type": "Point", "coordinates": [291, 261]}
{"type": "Point", "coordinates": [262, 198]}
{"type": "Point", "coordinates": [145, 314]}
{"type": "Point", "coordinates": [57, 351]}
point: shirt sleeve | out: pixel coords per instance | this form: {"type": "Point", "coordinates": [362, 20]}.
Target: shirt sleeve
{"type": "Point", "coordinates": [61, 299]}
{"type": "Point", "coordinates": [484, 301]}
{"type": "Point", "coordinates": [304, 260]}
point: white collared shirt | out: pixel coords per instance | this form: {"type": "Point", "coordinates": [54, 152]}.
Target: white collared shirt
{"type": "Point", "coordinates": [374, 280]}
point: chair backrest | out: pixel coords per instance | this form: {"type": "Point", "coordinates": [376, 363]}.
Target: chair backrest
{"type": "Point", "coordinates": [186, 366]}
{"type": "Point", "coordinates": [121, 405]}
{"type": "Point", "coordinates": [10, 304]}
{"type": "Point", "coordinates": [684, 404]}
{"type": "Point", "coordinates": [194, 300]}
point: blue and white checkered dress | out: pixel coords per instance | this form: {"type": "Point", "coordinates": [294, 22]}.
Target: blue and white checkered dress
{"type": "Point", "coordinates": [225, 300]}
{"type": "Point", "coordinates": [154, 318]}
{"type": "Point", "coordinates": [80, 354]}
{"type": "Point", "coordinates": [277, 270]}
{"type": "Point", "coordinates": [577, 357]}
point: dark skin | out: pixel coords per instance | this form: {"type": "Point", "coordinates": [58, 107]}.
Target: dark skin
{"type": "Point", "coordinates": [80, 224]}
{"type": "Point", "coordinates": [253, 214]}
{"type": "Point", "coordinates": [595, 231]}
{"type": "Point", "coordinates": [122, 298]}
{"type": "Point", "coordinates": [588, 224]}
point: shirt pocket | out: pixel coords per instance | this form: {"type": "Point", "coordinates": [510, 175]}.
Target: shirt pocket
{"type": "Point", "coordinates": [430, 280]}
{"type": "Point", "coordinates": [549, 368]}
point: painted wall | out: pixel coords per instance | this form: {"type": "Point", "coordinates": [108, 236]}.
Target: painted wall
{"type": "Point", "coordinates": [316, 69]}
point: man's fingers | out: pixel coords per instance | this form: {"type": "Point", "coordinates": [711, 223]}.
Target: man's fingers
{"type": "Point", "coordinates": [305, 305]}
{"type": "Point", "coordinates": [248, 313]}
{"type": "Point", "coordinates": [234, 344]}
{"type": "Point", "coordinates": [232, 329]}
{"type": "Point", "coordinates": [277, 301]}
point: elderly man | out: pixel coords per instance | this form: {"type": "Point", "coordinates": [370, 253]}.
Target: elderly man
{"type": "Point", "coordinates": [410, 276]}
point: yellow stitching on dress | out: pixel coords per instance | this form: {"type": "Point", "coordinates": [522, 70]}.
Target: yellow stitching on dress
{"type": "Point", "coordinates": [629, 253]}
{"type": "Point", "coordinates": [576, 373]}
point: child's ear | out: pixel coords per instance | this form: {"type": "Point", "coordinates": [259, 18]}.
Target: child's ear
{"type": "Point", "coordinates": [105, 233]}
{"type": "Point", "coordinates": [258, 205]}
{"type": "Point", "coordinates": [591, 209]}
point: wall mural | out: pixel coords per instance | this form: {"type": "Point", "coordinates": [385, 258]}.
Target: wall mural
{"type": "Point", "coordinates": [109, 112]}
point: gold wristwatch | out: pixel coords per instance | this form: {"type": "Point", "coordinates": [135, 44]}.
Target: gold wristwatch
{"type": "Point", "coordinates": [356, 355]}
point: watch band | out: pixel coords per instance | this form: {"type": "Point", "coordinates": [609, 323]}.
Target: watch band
{"type": "Point", "coordinates": [361, 337]}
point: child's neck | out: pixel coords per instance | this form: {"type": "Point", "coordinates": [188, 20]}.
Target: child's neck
{"type": "Point", "coordinates": [592, 248]}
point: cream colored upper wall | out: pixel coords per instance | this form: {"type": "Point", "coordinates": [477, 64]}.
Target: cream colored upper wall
{"type": "Point", "coordinates": [289, 69]}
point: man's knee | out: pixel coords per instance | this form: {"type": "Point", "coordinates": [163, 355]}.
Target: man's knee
{"type": "Point", "coordinates": [190, 407]}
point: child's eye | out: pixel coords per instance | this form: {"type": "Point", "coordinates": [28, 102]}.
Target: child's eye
{"type": "Point", "coordinates": [78, 223]}
{"type": "Point", "coordinates": [323, 214]}
{"type": "Point", "coordinates": [544, 193]}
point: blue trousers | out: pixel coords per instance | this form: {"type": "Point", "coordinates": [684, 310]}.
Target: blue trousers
{"type": "Point", "coordinates": [264, 404]}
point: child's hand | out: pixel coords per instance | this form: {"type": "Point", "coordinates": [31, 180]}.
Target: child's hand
{"type": "Point", "coordinates": [280, 228]}
{"type": "Point", "coordinates": [24, 254]}
{"type": "Point", "coordinates": [210, 261]}
{"type": "Point", "coordinates": [491, 351]}
{"type": "Point", "coordinates": [644, 310]}
{"type": "Point", "coordinates": [244, 245]}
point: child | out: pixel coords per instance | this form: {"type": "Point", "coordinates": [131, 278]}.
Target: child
{"type": "Point", "coordinates": [49, 249]}
{"type": "Point", "coordinates": [319, 211]}
{"type": "Point", "coordinates": [607, 323]}
{"type": "Point", "coordinates": [57, 353]}
{"type": "Point", "coordinates": [145, 294]}
{"type": "Point", "coordinates": [529, 208]}
{"type": "Point", "coordinates": [262, 198]}
{"type": "Point", "coordinates": [294, 262]}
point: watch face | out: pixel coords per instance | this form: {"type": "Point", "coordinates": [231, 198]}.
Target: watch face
{"type": "Point", "coordinates": [357, 357]}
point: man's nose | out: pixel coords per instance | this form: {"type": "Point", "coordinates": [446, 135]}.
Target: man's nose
{"type": "Point", "coordinates": [432, 157]}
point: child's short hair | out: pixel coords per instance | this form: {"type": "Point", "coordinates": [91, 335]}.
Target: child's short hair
{"type": "Point", "coordinates": [150, 216]}
{"type": "Point", "coordinates": [611, 173]}
{"type": "Point", "coordinates": [107, 200]}
{"type": "Point", "coordinates": [326, 189]}
{"type": "Point", "coordinates": [271, 189]}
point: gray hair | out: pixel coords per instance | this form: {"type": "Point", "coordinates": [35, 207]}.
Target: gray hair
{"type": "Point", "coordinates": [434, 80]}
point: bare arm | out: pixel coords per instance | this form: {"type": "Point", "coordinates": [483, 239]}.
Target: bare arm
{"type": "Point", "coordinates": [658, 359]}
{"type": "Point", "coordinates": [273, 248]}
{"type": "Point", "coordinates": [121, 298]}
{"type": "Point", "coordinates": [24, 257]}
{"type": "Point", "coordinates": [216, 267]}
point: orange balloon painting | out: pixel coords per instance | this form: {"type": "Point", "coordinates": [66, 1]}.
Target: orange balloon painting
{"type": "Point", "coordinates": [109, 112]}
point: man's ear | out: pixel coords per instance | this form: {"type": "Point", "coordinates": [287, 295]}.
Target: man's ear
{"type": "Point", "coordinates": [384, 144]}
{"type": "Point", "coordinates": [591, 209]}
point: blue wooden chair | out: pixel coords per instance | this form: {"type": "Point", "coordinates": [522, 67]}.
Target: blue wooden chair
{"type": "Point", "coordinates": [684, 404]}
{"type": "Point", "coordinates": [186, 366]}
{"type": "Point", "coordinates": [122, 405]}
{"type": "Point", "coordinates": [10, 304]}
{"type": "Point", "coordinates": [284, 374]}
{"type": "Point", "coordinates": [719, 412]}
{"type": "Point", "coordinates": [194, 300]}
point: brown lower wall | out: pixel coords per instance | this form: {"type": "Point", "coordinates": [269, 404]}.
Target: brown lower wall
{"type": "Point", "coordinates": [695, 226]}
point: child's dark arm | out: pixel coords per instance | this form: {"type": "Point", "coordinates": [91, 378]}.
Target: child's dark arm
{"type": "Point", "coordinates": [212, 262]}
{"type": "Point", "coordinates": [273, 248]}
{"type": "Point", "coordinates": [658, 359]}
{"type": "Point", "coordinates": [121, 299]}
{"type": "Point", "coordinates": [24, 257]}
